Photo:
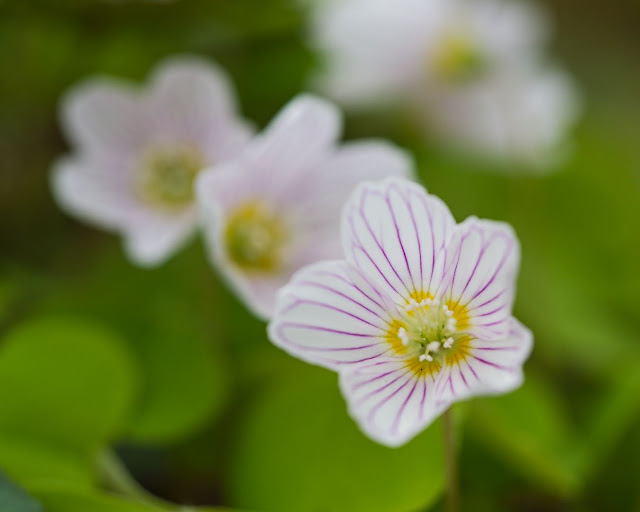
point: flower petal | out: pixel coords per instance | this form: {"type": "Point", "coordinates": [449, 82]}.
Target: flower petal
{"type": "Point", "coordinates": [286, 154]}
{"type": "Point", "coordinates": [482, 263]}
{"type": "Point", "coordinates": [151, 236]}
{"type": "Point", "coordinates": [326, 319]}
{"type": "Point", "coordinates": [487, 366]}
{"type": "Point", "coordinates": [396, 233]}
{"type": "Point", "coordinates": [390, 401]}
{"type": "Point", "coordinates": [95, 195]}
{"type": "Point", "coordinates": [192, 101]}
{"type": "Point", "coordinates": [106, 116]}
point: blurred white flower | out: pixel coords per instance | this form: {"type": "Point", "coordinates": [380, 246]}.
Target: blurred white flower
{"type": "Point", "coordinates": [416, 317]}
{"type": "Point", "coordinates": [453, 61]}
{"type": "Point", "coordinates": [137, 152]}
{"type": "Point", "coordinates": [276, 207]}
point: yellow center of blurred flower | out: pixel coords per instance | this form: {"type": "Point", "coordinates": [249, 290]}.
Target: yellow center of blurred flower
{"type": "Point", "coordinates": [255, 237]}
{"type": "Point", "coordinates": [457, 59]}
{"type": "Point", "coordinates": [430, 333]}
{"type": "Point", "coordinates": [166, 176]}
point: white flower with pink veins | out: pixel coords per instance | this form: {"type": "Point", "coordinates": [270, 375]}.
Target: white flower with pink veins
{"type": "Point", "coordinates": [137, 152]}
{"type": "Point", "coordinates": [417, 315]}
{"type": "Point", "coordinates": [276, 207]}
{"type": "Point", "coordinates": [472, 70]}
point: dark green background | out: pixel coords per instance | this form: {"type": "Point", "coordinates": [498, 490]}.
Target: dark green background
{"type": "Point", "coordinates": [168, 369]}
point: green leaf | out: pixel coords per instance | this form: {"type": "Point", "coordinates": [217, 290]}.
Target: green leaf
{"type": "Point", "coordinates": [64, 381]}
{"type": "Point", "coordinates": [14, 499]}
{"type": "Point", "coordinates": [529, 430]}
{"type": "Point", "coordinates": [299, 450]}
{"type": "Point", "coordinates": [31, 460]}
{"type": "Point", "coordinates": [171, 323]}
{"type": "Point", "coordinates": [611, 416]}
{"type": "Point", "coordinates": [58, 498]}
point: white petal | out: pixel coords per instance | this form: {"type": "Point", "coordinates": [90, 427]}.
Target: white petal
{"type": "Point", "coordinates": [396, 233]}
{"type": "Point", "coordinates": [489, 366]}
{"type": "Point", "coordinates": [151, 237]}
{"type": "Point", "coordinates": [287, 152]}
{"type": "Point", "coordinates": [389, 401]}
{"type": "Point", "coordinates": [193, 102]}
{"type": "Point", "coordinates": [374, 48]}
{"type": "Point", "coordinates": [324, 318]}
{"type": "Point", "coordinates": [482, 263]}
{"type": "Point", "coordinates": [337, 176]}
{"type": "Point", "coordinates": [106, 116]}
{"type": "Point", "coordinates": [99, 196]}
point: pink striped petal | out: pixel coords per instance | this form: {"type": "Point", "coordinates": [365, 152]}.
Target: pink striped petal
{"type": "Point", "coordinates": [482, 263]}
{"type": "Point", "coordinates": [396, 234]}
{"type": "Point", "coordinates": [390, 400]}
{"type": "Point", "coordinates": [323, 317]}
{"type": "Point", "coordinates": [486, 366]}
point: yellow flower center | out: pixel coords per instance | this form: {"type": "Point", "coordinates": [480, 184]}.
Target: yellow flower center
{"type": "Point", "coordinates": [255, 237]}
{"type": "Point", "coordinates": [430, 333]}
{"type": "Point", "coordinates": [457, 59]}
{"type": "Point", "coordinates": [166, 176]}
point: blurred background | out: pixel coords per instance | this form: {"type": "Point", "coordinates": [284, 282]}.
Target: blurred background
{"type": "Point", "coordinates": [107, 369]}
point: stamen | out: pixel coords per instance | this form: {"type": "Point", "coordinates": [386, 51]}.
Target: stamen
{"type": "Point", "coordinates": [448, 343]}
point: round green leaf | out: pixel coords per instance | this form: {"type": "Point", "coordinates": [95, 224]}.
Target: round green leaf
{"type": "Point", "coordinates": [298, 450]}
{"type": "Point", "coordinates": [169, 318]}
{"type": "Point", "coordinates": [65, 381]}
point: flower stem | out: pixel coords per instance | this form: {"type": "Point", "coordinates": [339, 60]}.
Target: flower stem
{"type": "Point", "coordinates": [116, 477]}
{"type": "Point", "coordinates": [450, 462]}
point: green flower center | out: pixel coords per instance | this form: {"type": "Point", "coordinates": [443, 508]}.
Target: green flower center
{"type": "Point", "coordinates": [166, 176]}
{"type": "Point", "coordinates": [458, 59]}
{"type": "Point", "coordinates": [255, 237]}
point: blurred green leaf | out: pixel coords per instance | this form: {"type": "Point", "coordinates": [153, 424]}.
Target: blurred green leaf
{"type": "Point", "coordinates": [298, 450]}
{"type": "Point", "coordinates": [57, 498]}
{"type": "Point", "coordinates": [32, 460]}
{"type": "Point", "coordinates": [172, 330]}
{"type": "Point", "coordinates": [529, 429]}
{"type": "Point", "coordinates": [65, 381]}
{"type": "Point", "coordinates": [14, 499]}
{"type": "Point", "coordinates": [611, 417]}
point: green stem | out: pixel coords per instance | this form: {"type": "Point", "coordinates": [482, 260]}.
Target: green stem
{"type": "Point", "coordinates": [450, 462]}
{"type": "Point", "coordinates": [115, 477]}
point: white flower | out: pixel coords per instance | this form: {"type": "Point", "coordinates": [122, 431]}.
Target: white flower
{"type": "Point", "coordinates": [276, 207]}
{"type": "Point", "coordinates": [416, 317]}
{"type": "Point", "coordinates": [453, 62]}
{"type": "Point", "coordinates": [137, 152]}
{"type": "Point", "coordinates": [522, 117]}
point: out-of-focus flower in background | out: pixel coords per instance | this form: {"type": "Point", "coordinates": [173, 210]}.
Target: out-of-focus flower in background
{"type": "Point", "coordinates": [276, 207]}
{"type": "Point", "coordinates": [416, 317]}
{"type": "Point", "coordinates": [473, 70]}
{"type": "Point", "coordinates": [137, 152]}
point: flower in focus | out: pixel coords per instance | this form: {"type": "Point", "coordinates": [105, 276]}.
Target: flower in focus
{"type": "Point", "coordinates": [416, 317]}
{"type": "Point", "coordinates": [137, 152]}
{"type": "Point", "coordinates": [471, 69]}
{"type": "Point", "coordinates": [276, 207]}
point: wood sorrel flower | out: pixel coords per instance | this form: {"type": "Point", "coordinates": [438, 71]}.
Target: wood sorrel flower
{"type": "Point", "coordinates": [138, 152]}
{"type": "Point", "coordinates": [470, 69]}
{"type": "Point", "coordinates": [276, 207]}
{"type": "Point", "coordinates": [417, 316]}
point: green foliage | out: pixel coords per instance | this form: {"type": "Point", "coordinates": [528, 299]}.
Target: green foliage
{"type": "Point", "coordinates": [530, 430]}
{"type": "Point", "coordinates": [66, 388]}
{"type": "Point", "coordinates": [297, 450]}
{"type": "Point", "coordinates": [183, 375]}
